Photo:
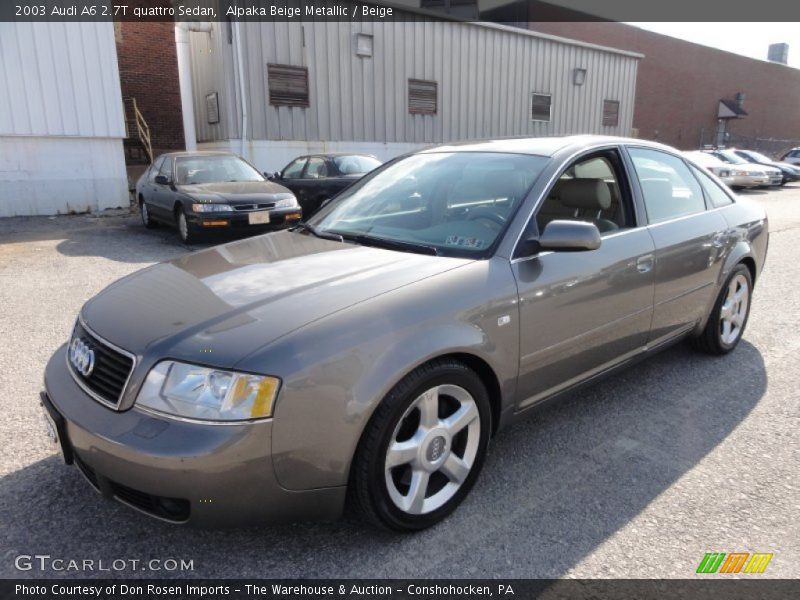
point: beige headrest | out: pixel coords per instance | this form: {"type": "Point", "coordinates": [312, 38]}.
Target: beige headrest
{"type": "Point", "coordinates": [585, 193]}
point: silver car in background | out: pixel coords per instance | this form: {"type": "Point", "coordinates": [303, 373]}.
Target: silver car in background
{"type": "Point", "coordinates": [723, 170]}
{"type": "Point", "coordinates": [371, 353]}
{"type": "Point", "coordinates": [747, 173]}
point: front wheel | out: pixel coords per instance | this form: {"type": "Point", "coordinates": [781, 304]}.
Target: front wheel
{"type": "Point", "coordinates": [423, 448]}
{"type": "Point", "coordinates": [144, 213]}
{"type": "Point", "coordinates": [729, 317]}
{"type": "Point", "coordinates": [186, 231]}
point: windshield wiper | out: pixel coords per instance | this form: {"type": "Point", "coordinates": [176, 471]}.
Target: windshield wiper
{"type": "Point", "coordinates": [320, 234]}
{"type": "Point", "coordinates": [402, 245]}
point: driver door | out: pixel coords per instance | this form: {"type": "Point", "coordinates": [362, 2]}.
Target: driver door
{"type": "Point", "coordinates": [586, 311]}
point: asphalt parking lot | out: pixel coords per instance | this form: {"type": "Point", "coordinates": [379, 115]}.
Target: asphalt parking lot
{"type": "Point", "coordinates": [638, 476]}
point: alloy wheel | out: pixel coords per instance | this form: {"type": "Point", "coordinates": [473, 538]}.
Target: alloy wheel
{"type": "Point", "coordinates": [734, 309]}
{"type": "Point", "coordinates": [432, 449]}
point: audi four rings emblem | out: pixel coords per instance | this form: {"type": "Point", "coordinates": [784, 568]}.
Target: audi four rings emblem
{"type": "Point", "coordinates": [81, 357]}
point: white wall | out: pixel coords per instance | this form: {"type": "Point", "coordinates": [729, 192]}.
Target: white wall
{"type": "Point", "coordinates": [58, 175]}
{"type": "Point", "coordinates": [61, 119]}
{"type": "Point", "coordinates": [271, 155]}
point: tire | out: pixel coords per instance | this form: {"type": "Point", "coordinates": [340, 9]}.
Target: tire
{"type": "Point", "coordinates": [186, 231]}
{"type": "Point", "coordinates": [728, 319]}
{"type": "Point", "coordinates": [144, 213]}
{"type": "Point", "coordinates": [435, 454]}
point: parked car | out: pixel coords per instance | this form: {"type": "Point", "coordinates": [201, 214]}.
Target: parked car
{"type": "Point", "coordinates": [789, 172]}
{"type": "Point", "coordinates": [774, 175]}
{"type": "Point", "coordinates": [792, 157]}
{"type": "Point", "coordinates": [203, 191]}
{"type": "Point", "coordinates": [716, 166]}
{"type": "Point", "coordinates": [371, 352]}
{"type": "Point", "coordinates": [319, 177]}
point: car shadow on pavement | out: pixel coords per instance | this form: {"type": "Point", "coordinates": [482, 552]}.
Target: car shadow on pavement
{"type": "Point", "coordinates": [554, 487]}
{"type": "Point", "coordinates": [120, 238]}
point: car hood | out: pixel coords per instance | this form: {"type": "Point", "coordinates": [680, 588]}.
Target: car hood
{"type": "Point", "coordinates": [785, 165]}
{"type": "Point", "coordinates": [234, 191]}
{"type": "Point", "coordinates": [218, 305]}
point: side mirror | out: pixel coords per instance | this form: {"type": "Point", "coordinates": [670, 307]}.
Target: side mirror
{"type": "Point", "coordinates": [162, 180]}
{"type": "Point", "coordinates": [566, 236]}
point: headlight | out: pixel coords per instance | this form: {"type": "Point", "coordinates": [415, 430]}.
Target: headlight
{"type": "Point", "coordinates": [740, 173]}
{"type": "Point", "coordinates": [285, 201]}
{"type": "Point", "coordinates": [194, 392]}
{"type": "Point", "coordinates": [211, 207]}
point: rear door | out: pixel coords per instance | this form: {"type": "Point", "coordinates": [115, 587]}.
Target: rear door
{"type": "Point", "coordinates": [689, 240]}
{"type": "Point", "coordinates": [584, 312]}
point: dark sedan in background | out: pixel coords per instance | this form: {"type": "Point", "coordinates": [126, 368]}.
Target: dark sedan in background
{"type": "Point", "coordinates": [317, 178]}
{"type": "Point", "coordinates": [790, 172]}
{"type": "Point", "coordinates": [203, 191]}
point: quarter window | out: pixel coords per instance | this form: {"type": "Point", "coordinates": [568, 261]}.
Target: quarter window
{"type": "Point", "coordinates": [541, 107]}
{"type": "Point", "coordinates": [715, 194]}
{"type": "Point", "coordinates": [668, 186]}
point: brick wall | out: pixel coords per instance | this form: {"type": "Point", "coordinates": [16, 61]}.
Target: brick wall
{"type": "Point", "coordinates": [148, 68]}
{"type": "Point", "coordinates": [679, 85]}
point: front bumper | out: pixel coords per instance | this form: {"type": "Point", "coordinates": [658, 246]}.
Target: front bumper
{"type": "Point", "coordinates": [240, 220]}
{"type": "Point", "coordinates": [748, 181]}
{"type": "Point", "coordinates": [178, 471]}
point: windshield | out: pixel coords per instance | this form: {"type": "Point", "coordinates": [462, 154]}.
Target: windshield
{"type": "Point", "coordinates": [191, 170]}
{"type": "Point", "coordinates": [354, 165]}
{"type": "Point", "coordinates": [731, 157]}
{"type": "Point", "coordinates": [454, 203]}
{"type": "Point", "coordinates": [757, 155]}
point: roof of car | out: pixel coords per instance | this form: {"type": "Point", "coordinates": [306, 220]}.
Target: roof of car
{"type": "Point", "coordinates": [541, 146]}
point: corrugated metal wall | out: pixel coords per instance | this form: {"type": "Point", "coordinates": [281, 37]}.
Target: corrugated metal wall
{"type": "Point", "coordinates": [485, 76]}
{"type": "Point", "coordinates": [59, 79]}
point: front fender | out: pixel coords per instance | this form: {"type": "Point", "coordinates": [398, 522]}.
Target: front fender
{"type": "Point", "coordinates": [336, 371]}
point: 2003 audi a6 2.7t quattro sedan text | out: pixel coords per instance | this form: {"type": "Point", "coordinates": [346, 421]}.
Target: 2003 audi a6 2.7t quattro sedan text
{"type": "Point", "coordinates": [371, 352]}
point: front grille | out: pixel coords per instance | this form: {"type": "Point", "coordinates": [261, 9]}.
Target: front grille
{"type": "Point", "coordinates": [253, 206]}
{"type": "Point", "coordinates": [111, 368]}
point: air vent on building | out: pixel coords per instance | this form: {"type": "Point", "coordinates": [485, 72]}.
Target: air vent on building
{"type": "Point", "coordinates": [422, 97]}
{"type": "Point", "coordinates": [288, 85]}
{"type": "Point", "coordinates": [610, 113]}
{"type": "Point", "coordinates": [212, 108]}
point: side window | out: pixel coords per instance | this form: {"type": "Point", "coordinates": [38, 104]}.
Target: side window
{"type": "Point", "coordinates": [590, 189]}
{"type": "Point", "coordinates": [295, 169]}
{"type": "Point", "coordinates": [155, 168]}
{"type": "Point", "coordinates": [316, 168]}
{"type": "Point", "coordinates": [166, 168]}
{"type": "Point", "coordinates": [669, 188]}
{"type": "Point", "coordinates": [715, 194]}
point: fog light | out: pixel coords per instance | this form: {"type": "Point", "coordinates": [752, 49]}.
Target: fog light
{"type": "Point", "coordinates": [214, 223]}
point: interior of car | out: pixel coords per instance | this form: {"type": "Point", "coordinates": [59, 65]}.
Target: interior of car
{"type": "Point", "coordinates": [589, 190]}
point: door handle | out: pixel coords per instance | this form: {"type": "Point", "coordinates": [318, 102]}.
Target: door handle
{"type": "Point", "coordinates": [644, 264]}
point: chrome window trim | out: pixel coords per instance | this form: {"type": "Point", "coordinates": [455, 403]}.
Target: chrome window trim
{"type": "Point", "coordinates": [81, 384]}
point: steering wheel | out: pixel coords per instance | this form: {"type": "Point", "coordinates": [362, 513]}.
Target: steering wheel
{"type": "Point", "coordinates": [484, 212]}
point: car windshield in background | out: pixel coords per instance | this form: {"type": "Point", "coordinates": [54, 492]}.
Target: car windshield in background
{"type": "Point", "coordinates": [758, 156]}
{"type": "Point", "coordinates": [453, 204]}
{"type": "Point", "coordinates": [213, 169]}
{"type": "Point", "coordinates": [732, 157]}
{"type": "Point", "coordinates": [354, 165]}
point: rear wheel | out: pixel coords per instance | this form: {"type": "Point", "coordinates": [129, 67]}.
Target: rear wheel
{"type": "Point", "coordinates": [423, 448]}
{"type": "Point", "coordinates": [729, 317]}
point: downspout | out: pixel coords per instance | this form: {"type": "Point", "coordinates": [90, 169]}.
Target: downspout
{"type": "Point", "coordinates": [184, 53]}
{"type": "Point", "coordinates": [242, 97]}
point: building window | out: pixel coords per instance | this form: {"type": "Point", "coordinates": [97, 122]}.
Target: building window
{"type": "Point", "coordinates": [422, 97]}
{"type": "Point", "coordinates": [288, 85]}
{"type": "Point", "coordinates": [541, 107]}
{"type": "Point", "coordinates": [212, 108]}
{"type": "Point", "coordinates": [610, 113]}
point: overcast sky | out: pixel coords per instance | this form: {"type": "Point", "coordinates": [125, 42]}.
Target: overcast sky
{"type": "Point", "coordinates": [750, 39]}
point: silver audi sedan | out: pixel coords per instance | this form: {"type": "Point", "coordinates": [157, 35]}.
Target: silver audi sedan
{"type": "Point", "coordinates": [369, 354]}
